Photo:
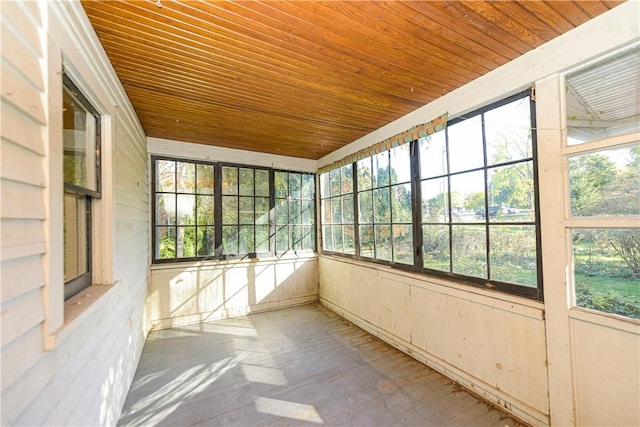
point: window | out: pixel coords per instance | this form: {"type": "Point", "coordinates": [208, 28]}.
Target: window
{"type": "Point", "coordinates": [478, 201]}
{"type": "Point", "coordinates": [603, 163]}
{"type": "Point", "coordinates": [205, 210]}
{"type": "Point", "coordinates": [338, 229]}
{"type": "Point", "coordinates": [384, 206]}
{"type": "Point", "coordinates": [460, 203]}
{"type": "Point", "coordinates": [81, 171]}
{"type": "Point", "coordinates": [295, 211]}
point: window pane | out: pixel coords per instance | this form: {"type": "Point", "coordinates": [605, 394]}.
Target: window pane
{"type": "Point", "coordinates": [229, 210]}
{"type": "Point", "coordinates": [513, 254]}
{"type": "Point", "coordinates": [262, 183]}
{"type": "Point", "coordinates": [400, 164]}
{"type": "Point", "coordinates": [246, 182]}
{"type": "Point", "coordinates": [308, 186]}
{"type": "Point", "coordinates": [165, 175]}
{"type": "Point", "coordinates": [295, 185]}
{"type": "Point", "coordinates": [383, 242]}
{"type": "Point", "coordinates": [282, 238]}
{"type": "Point", "coordinates": [511, 194]}
{"type": "Point", "coordinates": [229, 180]}
{"type": "Point", "coordinates": [325, 205]}
{"type": "Point", "coordinates": [262, 238]}
{"type": "Point", "coordinates": [308, 238]}
{"type": "Point", "coordinates": [79, 143]}
{"type": "Point", "coordinates": [365, 176]}
{"type": "Point", "coordinates": [349, 240]}
{"type": "Point", "coordinates": [468, 189]}
{"type": "Point", "coordinates": [296, 237]}
{"type": "Point", "coordinates": [602, 99]}
{"type": "Point", "coordinates": [295, 209]}
{"type": "Point", "coordinates": [76, 236]}
{"type": "Point", "coordinates": [469, 250]}
{"type": "Point", "coordinates": [205, 179]}
{"type": "Point", "coordinates": [508, 132]}
{"type": "Point", "coordinates": [327, 239]}
{"type": "Point", "coordinates": [246, 211]}
{"type": "Point", "coordinates": [186, 175]}
{"type": "Point", "coordinates": [206, 246]}
{"type": "Point", "coordinates": [205, 210]}
{"type": "Point", "coordinates": [433, 155]}
{"type": "Point", "coordinates": [365, 207]}
{"type": "Point", "coordinates": [401, 203]}
{"type": "Point", "coordinates": [607, 270]}
{"type": "Point", "coordinates": [347, 209]}
{"type": "Point", "coordinates": [335, 182]}
{"type": "Point", "coordinates": [346, 173]}
{"type": "Point", "coordinates": [282, 209]}
{"type": "Point", "coordinates": [307, 212]}
{"type": "Point", "coordinates": [434, 200]}
{"type": "Point", "coordinates": [281, 185]}
{"type": "Point", "coordinates": [186, 242]}
{"type": "Point", "coordinates": [366, 241]}
{"type": "Point", "coordinates": [186, 209]}
{"type": "Point", "coordinates": [165, 209]}
{"type": "Point", "coordinates": [246, 240]}
{"type": "Point", "coordinates": [605, 183]}
{"type": "Point", "coordinates": [262, 210]}
{"type": "Point", "coordinates": [403, 244]}
{"type": "Point", "coordinates": [465, 145]}
{"type": "Point", "coordinates": [336, 210]}
{"type": "Point", "coordinates": [336, 232]}
{"type": "Point", "coordinates": [381, 169]}
{"type": "Point", "coordinates": [230, 239]}
{"type": "Point", "coordinates": [165, 243]}
{"type": "Point", "coordinates": [325, 185]}
{"type": "Point", "coordinates": [435, 247]}
{"type": "Point", "coordinates": [381, 205]}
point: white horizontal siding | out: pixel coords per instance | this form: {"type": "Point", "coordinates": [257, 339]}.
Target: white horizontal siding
{"type": "Point", "coordinates": [84, 378]}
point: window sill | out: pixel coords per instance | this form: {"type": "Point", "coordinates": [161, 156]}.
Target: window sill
{"type": "Point", "coordinates": [76, 311]}
{"type": "Point", "coordinates": [233, 262]}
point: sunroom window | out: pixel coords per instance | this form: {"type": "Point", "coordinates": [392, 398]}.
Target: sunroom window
{"type": "Point", "coordinates": [603, 163]}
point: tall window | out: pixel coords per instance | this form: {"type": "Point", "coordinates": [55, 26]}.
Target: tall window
{"type": "Point", "coordinates": [184, 223]}
{"type": "Point", "coordinates": [206, 210]}
{"type": "Point", "coordinates": [384, 206]}
{"type": "Point", "coordinates": [460, 203]}
{"type": "Point", "coordinates": [603, 159]}
{"type": "Point", "coordinates": [81, 171]}
{"type": "Point", "coordinates": [478, 197]}
{"type": "Point", "coordinates": [338, 229]}
{"type": "Point", "coordinates": [295, 211]}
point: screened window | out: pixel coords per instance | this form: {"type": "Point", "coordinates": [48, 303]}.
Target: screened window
{"type": "Point", "coordinates": [603, 162]}
{"type": "Point", "coordinates": [338, 227]}
{"type": "Point", "coordinates": [460, 203]}
{"type": "Point", "coordinates": [295, 211]}
{"type": "Point", "coordinates": [208, 210]}
{"type": "Point", "coordinates": [81, 171]}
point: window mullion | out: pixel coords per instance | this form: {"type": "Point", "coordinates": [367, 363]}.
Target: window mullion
{"type": "Point", "coordinates": [416, 197]}
{"type": "Point", "coordinates": [217, 209]}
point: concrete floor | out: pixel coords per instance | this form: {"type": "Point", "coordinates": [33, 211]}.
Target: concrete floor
{"type": "Point", "coordinates": [297, 366]}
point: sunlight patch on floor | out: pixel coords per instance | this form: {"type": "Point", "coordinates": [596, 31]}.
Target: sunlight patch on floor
{"type": "Point", "coordinates": [288, 409]}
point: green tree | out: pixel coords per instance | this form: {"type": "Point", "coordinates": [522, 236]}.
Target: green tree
{"type": "Point", "coordinates": [588, 176]}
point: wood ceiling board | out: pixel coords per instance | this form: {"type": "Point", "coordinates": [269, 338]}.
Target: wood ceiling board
{"type": "Point", "coordinates": [305, 78]}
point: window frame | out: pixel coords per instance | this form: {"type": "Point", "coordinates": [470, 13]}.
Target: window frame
{"type": "Point", "coordinates": [75, 285]}
{"type": "Point", "coordinates": [219, 254]}
{"type": "Point", "coordinates": [313, 215]}
{"type": "Point", "coordinates": [536, 292]}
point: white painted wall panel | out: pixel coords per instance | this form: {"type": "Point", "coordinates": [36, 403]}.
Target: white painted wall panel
{"type": "Point", "coordinates": [187, 293]}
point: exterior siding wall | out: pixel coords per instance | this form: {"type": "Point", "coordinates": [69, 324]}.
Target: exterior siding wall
{"type": "Point", "coordinates": [66, 364]}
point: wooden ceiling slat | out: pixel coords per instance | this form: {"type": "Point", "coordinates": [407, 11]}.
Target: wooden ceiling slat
{"type": "Point", "coordinates": [305, 78]}
{"type": "Point", "coordinates": [168, 48]}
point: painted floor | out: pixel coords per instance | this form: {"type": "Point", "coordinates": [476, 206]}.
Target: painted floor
{"type": "Point", "coordinates": [292, 367]}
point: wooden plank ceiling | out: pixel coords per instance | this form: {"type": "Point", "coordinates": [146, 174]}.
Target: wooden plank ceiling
{"type": "Point", "coordinates": [305, 78]}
